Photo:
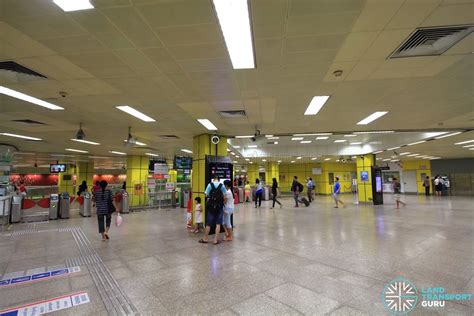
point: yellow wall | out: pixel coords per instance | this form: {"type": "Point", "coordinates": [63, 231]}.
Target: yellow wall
{"type": "Point", "coordinates": [85, 172]}
{"type": "Point", "coordinates": [173, 176]}
{"type": "Point", "coordinates": [252, 173]}
{"type": "Point", "coordinates": [421, 167]}
{"type": "Point", "coordinates": [202, 146]}
{"type": "Point", "coordinates": [137, 173]}
{"type": "Point", "coordinates": [67, 186]}
{"type": "Point", "coordinates": [272, 170]}
{"type": "Point", "coordinates": [303, 171]}
{"type": "Point", "coordinates": [365, 163]}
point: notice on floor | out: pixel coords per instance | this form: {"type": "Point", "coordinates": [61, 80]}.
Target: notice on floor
{"type": "Point", "coordinates": [48, 306]}
{"type": "Point", "coordinates": [39, 276]}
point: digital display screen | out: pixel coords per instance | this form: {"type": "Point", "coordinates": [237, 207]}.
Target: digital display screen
{"type": "Point", "coordinates": [222, 170]}
{"type": "Point", "coordinates": [364, 176]}
{"type": "Point", "coordinates": [56, 168]}
{"type": "Point", "coordinates": [378, 184]}
{"type": "Point", "coordinates": [181, 162]}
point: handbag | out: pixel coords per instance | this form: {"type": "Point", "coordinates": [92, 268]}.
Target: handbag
{"type": "Point", "coordinates": [118, 220]}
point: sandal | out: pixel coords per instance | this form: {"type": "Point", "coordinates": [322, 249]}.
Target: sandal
{"type": "Point", "coordinates": [202, 241]}
{"type": "Point", "coordinates": [107, 236]}
{"type": "Point", "coordinates": [216, 243]}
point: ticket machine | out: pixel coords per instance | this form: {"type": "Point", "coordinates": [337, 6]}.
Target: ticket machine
{"type": "Point", "coordinates": [86, 208]}
{"type": "Point", "coordinates": [64, 205]}
{"type": "Point", "coordinates": [53, 206]}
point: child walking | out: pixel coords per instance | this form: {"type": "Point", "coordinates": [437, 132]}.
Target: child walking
{"type": "Point", "coordinates": [198, 215]}
{"type": "Point", "coordinates": [228, 211]}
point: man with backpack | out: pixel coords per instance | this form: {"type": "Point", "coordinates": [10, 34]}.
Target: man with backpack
{"type": "Point", "coordinates": [296, 188]}
{"type": "Point", "coordinates": [215, 199]}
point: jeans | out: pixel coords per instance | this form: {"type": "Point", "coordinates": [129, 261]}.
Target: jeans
{"type": "Point", "coordinates": [100, 218]}
{"type": "Point", "coordinates": [427, 191]}
{"type": "Point", "coordinates": [310, 195]}
{"type": "Point", "coordinates": [258, 197]}
{"type": "Point", "coordinates": [275, 200]}
{"type": "Point", "coordinates": [296, 196]}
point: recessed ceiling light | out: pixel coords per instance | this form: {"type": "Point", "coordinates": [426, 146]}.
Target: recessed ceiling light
{"type": "Point", "coordinates": [244, 136]}
{"type": "Point", "coordinates": [237, 157]}
{"type": "Point", "coordinates": [448, 135]}
{"type": "Point", "coordinates": [340, 141]}
{"type": "Point", "coordinates": [314, 158]}
{"type": "Point", "coordinates": [234, 20]}
{"type": "Point", "coordinates": [405, 153]}
{"type": "Point", "coordinates": [30, 99]}
{"type": "Point", "coordinates": [356, 143]}
{"type": "Point", "coordinates": [316, 104]}
{"type": "Point", "coordinates": [292, 161]}
{"type": "Point", "coordinates": [305, 142]}
{"type": "Point", "coordinates": [136, 143]}
{"type": "Point", "coordinates": [187, 151]}
{"type": "Point", "coordinates": [297, 138]}
{"type": "Point", "coordinates": [275, 143]}
{"type": "Point", "coordinates": [416, 143]}
{"type": "Point", "coordinates": [372, 117]}
{"type": "Point", "coordinates": [467, 146]}
{"type": "Point", "coordinates": [235, 161]}
{"type": "Point", "coordinates": [61, 155]}
{"type": "Point", "coordinates": [299, 157]}
{"type": "Point", "coordinates": [117, 152]}
{"type": "Point", "coordinates": [322, 137]}
{"type": "Point", "coordinates": [465, 142]}
{"type": "Point", "coordinates": [73, 5]}
{"type": "Point", "coordinates": [264, 160]}
{"type": "Point", "coordinates": [207, 124]}
{"type": "Point", "coordinates": [327, 159]}
{"type": "Point", "coordinates": [314, 134]}
{"type": "Point", "coordinates": [129, 110]}
{"type": "Point", "coordinates": [77, 150]}
{"type": "Point", "coordinates": [252, 146]}
{"type": "Point", "coordinates": [279, 161]}
{"type": "Point", "coordinates": [151, 155]}
{"type": "Point", "coordinates": [251, 162]}
{"type": "Point", "coordinates": [393, 148]}
{"type": "Point", "coordinates": [85, 141]}
{"type": "Point", "coordinates": [350, 135]}
{"type": "Point", "coordinates": [471, 148]}
{"type": "Point", "coordinates": [21, 136]}
{"type": "Point", "coordinates": [434, 158]}
{"type": "Point", "coordinates": [374, 132]}
{"type": "Point", "coordinates": [247, 159]}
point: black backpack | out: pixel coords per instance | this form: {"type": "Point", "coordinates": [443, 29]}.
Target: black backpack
{"type": "Point", "coordinates": [215, 201]}
{"type": "Point", "coordinates": [300, 187]}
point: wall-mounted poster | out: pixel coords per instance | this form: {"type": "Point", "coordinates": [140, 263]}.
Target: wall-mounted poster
{"type": "Point", "coordinates": [317, 171]}
{"type": "Point", "coordinates": [364, 176]}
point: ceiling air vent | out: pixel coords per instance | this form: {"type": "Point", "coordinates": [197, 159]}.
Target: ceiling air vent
{"type": "Point", "coordinates": [15, 72]}
{"type": "Point", "coordinates": [431, 41]}
{"type": "Point", "coordinates": [233, 113]}
{"type": "Point", "coordinates": [31, 122]}
{"type": "Point", "coordinates": [168, 137]}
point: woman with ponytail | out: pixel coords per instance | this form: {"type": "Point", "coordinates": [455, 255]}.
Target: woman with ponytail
{"type": "Point", "coordinates": [105, 207]}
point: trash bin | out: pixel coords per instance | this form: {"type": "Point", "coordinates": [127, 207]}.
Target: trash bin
{"type": "Point", "coordinates": [53, 206]}
{"type": "Point", "coordinates": [16, 208]}
{"type": "Point", "coordinates": [86, 208]}
{"type": "Point", "coordinates": [125, 206]}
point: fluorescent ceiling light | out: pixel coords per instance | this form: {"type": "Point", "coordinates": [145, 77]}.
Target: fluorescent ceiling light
{"type": "Point", "coordinates": [374, 132]}
{"type": "Point", "coordinates": [314, 158]}
{"type": "Point", "coordinates": [327, 159]}
{"type": "Point", "coordinates": [448, 135]}
{"type": "Point", "coordinates": [21, 136]}
{"type": "Point", "coordinates": [467, 146]}
{"type": "Point", "coordinates": [237, 157]}
{"type": "Point", "coordinates": [372, 117]}
{"type": "Point", "coordinates": [233, 154]}
{"type": "Point", "coordinates": [386, 159]}
{"type": "Point", "coordinates": [275, 143]}
{"type": "Point", "coordinates": [465, 142]}
{"type": "Point", "coordinates": [207, 124]}
{"type": "Point", "coordinates": [356, 143]}
{"type": "Point", "coordinates": [129, 110]}
{"type": "Point", "coordinates": [85, 141]}
{"type": "Point", "coordinates": [434, 158]}
{"type": "Point", "coordinates": [297, 138]}
{"type": "Point", "coordinates": [314, 134]}
{"type": "Point", "coordinates": [187, 151]}
{"type": "Point", "coordinates": [77, 150]}
{"type": "Point", "coordinates": [378, 152]}
{"type": "Point", "coordinates": [30, 99]}
{"type": "Point", "coordinates": [405, 153]}
{"type": "Point", "coordinates": [250, 162]}
{"type": "Point", "coordinates": [350, 135]}
{"type": "Point", "coordinates": [299, 157]}
{"type": "Point", "coordinates": [136, 143]}
{"type": "Point", "coordinates": [413, 155]}
{"type": "Point", "coordinates": [394, 160]}
{"type": "Point", "coordinates": [98, 157]}
{"type": "Point", "coordinates": [274, 137]}
{"type": "Point", "coordinates": [252, 146]}
{"type": "Point", "coordinates": [234, 20]}
{"type": "Point", "coordinates": [264, 160]}
{"type": "Point", "coordinates": [117, 152]}
{"type": "Point", "coordinates": [292, 161]}
{"type": "Point", "coordinates": [416, 143]}
{"type": "Point", "coordinates": [73, 5]}
{"type": "Point", "coordinates": [23, 153]}
{"type": "Point", "coordinates": [378, 158]}
{"type": "Point", "coordinates": [471, 148]}
{"type": "Point", "coordinates": [393, 148]}
{"type": "Point", "coordinates": [340, 141]}
{"type": "Point", "coordinates": [247, 159]}
{"type": "Point", "coordinates": [244, 136]}
{"type": "Point", "coordinates": [268, 135]}
{"type": "Point", "coordinates": [279, 161]}
{"type": "Point", "coordinates": [151, 155]}
{"type": "Point", "coordinates": [236, 146]}
{"type": "Point", "coordinates": [228, 149]}
{"type": "Point", "coordinates": [316, 104]}
{"type": "Point", "coordinates": [61, 155]}
{"type": "Point", "coordinates": [235, 161]}
{"type": "Point", "coordinates": [305, 142]}
{"type": "Point", "coordinates": [321, 137]}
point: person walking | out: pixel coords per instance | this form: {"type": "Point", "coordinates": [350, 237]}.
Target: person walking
{"type": "Point", "coordinates": [228, 211]}
{"type": "Point", "coordinates": [396, 188]}
{"type": "Point", "coordinates": [105, 207]}
{"type": "Point", "coordinates": [247, 190]}
{"type": "Point", "coordinates": [258, 193]}
{"type": "Point", "coordinates": [215, 194]}
{"type": "Point", "coordinates": [275, 193]}
{"type": "Point", "coordinates": [296, 188]}
{"type": "Point", "coordinates": [82, 188]}
{"type": "Point", "coordinates": [337, 192]}
{"type": "Point", "coordinates": [427, 185]}
{"type": "Point", "coordinates": [310, 187]}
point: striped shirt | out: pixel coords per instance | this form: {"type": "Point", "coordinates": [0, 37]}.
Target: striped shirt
{"type": "Point", "coordinates": [103, 200]}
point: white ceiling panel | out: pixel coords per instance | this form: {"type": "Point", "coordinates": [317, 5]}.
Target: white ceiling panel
{"type": "Point", "coordinates": [451, 15]}
{"type": "Point", "coordinates": [376, 14]}
{"type": "Point", "coordinates": [355, 45]}
{"type": "Point", "coordinates": [412, 13]}
{"type": "Point", "coordinates": [333, 23]}
{"type": "Point", "coordinates": [190, 34]}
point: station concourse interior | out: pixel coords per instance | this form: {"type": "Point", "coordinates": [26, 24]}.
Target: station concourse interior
{"type": "Point", "coordinates": [368, 104]}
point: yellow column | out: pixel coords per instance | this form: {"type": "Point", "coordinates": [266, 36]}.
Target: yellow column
{"type": "Point", "coordinates": [85, 172]}
{"type": "Point", "coordinates": [202, 146]}
{"type": "Point", "coordinates": [364, 188]}
{"type": "Point", "coordinates": [137, 179]}
{"type": "Point", "coordinates": [272, 170]}
{"type": "Point", "coordinates": [67, 185]}
{"type": "Point", "coordinates": [252, 173]}
{"type": "Point", "coordinates": [173, 175]}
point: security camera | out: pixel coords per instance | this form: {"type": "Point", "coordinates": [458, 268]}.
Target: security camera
{"type": "Point", "coordinates": [215, 139]}
{"type": "Point", "coordinates": [256, 136]}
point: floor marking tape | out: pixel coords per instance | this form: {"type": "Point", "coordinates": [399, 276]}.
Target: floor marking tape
{"type": "Point", "coordinates": [39, 277]}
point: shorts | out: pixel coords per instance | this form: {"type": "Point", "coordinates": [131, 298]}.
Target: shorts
{"type": "Point", "coordinates": [396, 196]}
{"type": "Point", "coordinates": [439, 187]}
{"type": "Point", "coordinates": [213, 219]}
{"type": "Point", "coordinates": [226, 218]}
{"type": "Point", "coordinates": [335, 196]}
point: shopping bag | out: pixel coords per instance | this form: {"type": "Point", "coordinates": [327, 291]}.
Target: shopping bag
{"type": "Point", "coordinates": [118, 220]}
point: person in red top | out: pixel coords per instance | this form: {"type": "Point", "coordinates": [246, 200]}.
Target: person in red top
{"type": "Point", "coordinates": [95, 188]}
{"type": "Point", "coordinates": [22, 188]}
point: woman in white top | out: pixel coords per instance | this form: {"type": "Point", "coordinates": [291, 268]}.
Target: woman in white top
{"type": "Point", "coordinates": [228, 211]}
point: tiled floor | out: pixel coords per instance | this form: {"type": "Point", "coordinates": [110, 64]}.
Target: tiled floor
{"type": "Point", "coordinates": [316, 260]}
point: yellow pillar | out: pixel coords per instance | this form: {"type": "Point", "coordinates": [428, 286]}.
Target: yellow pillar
{"type": "Point", "coordinates": [173, 175]}
{"type": "Point", "coordinates": [85, 172]}
{"type": "Point", "coordinates": [272, 170]}
{"type": "Point", "coordinates": [364, 188]}
{"type": "Point", "coordinates": [252, 173]}
{"type": "Point", "coordinates": [137, 179]}
{"type": "Point", "coordinates": [68, 185]}
{"type": "Point", "coordinates": [202, 146]}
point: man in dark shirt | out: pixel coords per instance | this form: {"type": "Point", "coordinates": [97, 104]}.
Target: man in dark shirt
{"type": "Point", "coordinates": [295, 188]}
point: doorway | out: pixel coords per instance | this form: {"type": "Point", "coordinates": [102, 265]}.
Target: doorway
{"type": "Point", "coordinates": [409, 181]}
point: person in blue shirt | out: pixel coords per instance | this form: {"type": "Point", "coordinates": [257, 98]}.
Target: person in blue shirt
{"type": "Point", "coordinates": [214, 218]}
{"type": "Point", "coordinates": [337, 191]}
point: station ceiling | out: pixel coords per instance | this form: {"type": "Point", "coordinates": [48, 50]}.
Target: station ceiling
{"type": "Point", "coordinates": [168, 59]}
